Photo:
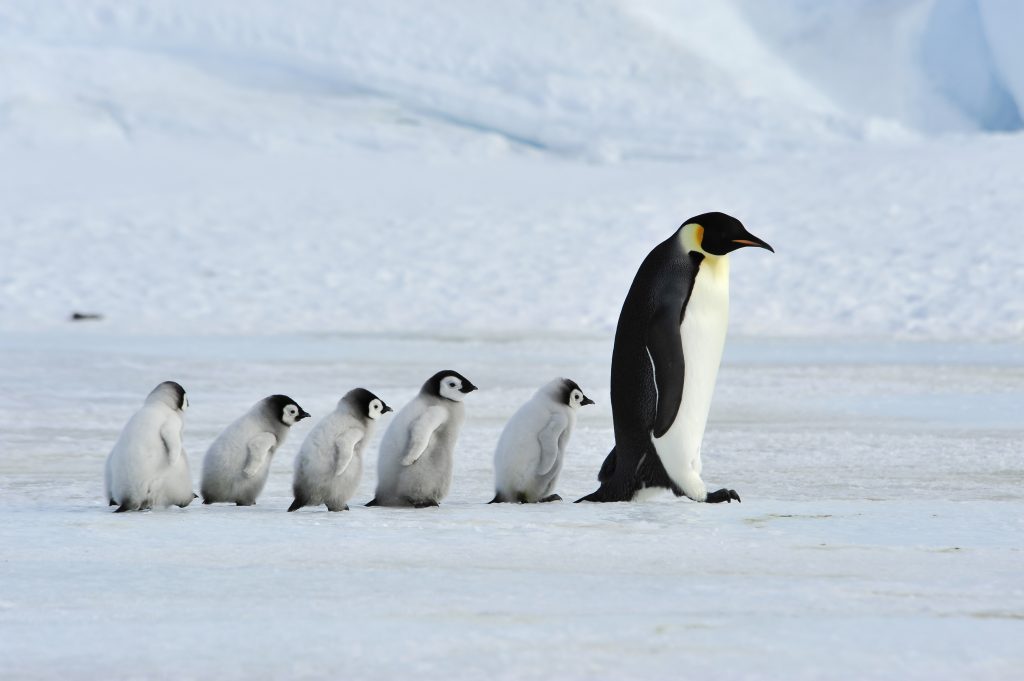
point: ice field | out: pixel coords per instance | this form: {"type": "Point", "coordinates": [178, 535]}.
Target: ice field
{"type": "Point", "coordinates": [879, 536]}
{"type": "Point", "coordinates": [308, 197]}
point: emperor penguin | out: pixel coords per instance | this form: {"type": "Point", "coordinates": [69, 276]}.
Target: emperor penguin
{"type": "Point", "coordinates": [414, 466]}
{"type": "Point", "coordinates": [668, 345]}
{"type": "Point", "coordinates": [531, 448]}
{"type": "Point", "coordinates": [329, 465]}
{"type": "Point", "coordinates": [147, 467]}
{"type": "Point", "coordinates": [236, 465]}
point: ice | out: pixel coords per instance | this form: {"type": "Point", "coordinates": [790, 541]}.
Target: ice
{"type": "Point", "coordinates": [879, 533]}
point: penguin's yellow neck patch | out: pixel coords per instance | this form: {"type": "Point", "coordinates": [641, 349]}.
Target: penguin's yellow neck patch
{"type": "Point", "coordinates": [692, 236]}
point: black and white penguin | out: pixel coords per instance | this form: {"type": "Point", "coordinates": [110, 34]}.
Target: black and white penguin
{"type": "Point", "coordinates": [668, 345]}
{"type": "Point", "coordinates": [236, 465]}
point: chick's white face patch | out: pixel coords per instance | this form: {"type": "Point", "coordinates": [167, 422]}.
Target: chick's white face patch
{"type": "Point", "coordinates": [290, 412]}
{"type": "Point", "coordinates": [376, 409]}
{"type": "Point", "coordinates": [451, 388]}
{"type": "Point", "coordinates": [575, 399]}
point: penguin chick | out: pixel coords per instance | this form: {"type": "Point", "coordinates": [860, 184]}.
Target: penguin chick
{"type": "Point", "coordinates": [414, 467]}
{"type": "Point", "coordinates": [147, 467]}
{"type": "Point", "coordinates": [330, 463]}
{"type": "Point", "coordinates": [532, 446]}
{"type": "Point", "coordinates": [236, 465]}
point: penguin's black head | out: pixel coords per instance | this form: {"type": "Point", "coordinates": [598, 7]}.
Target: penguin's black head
{"type": "Point", "coordinates": [285, 409]}
{"type": "Point", "coordinates": [449, 384]}
{"type": "Point", "coordinates": [719, 234]}
{"type": "Point", "coordinates": [366, 403]}
{"type": "Point", "coordinates": [171, 394]}
{"type": "Point", "coordinates": [572, 394]}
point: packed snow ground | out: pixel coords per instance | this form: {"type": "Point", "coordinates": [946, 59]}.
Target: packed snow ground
{"type": "Point", "coordinates": [309, 197]}
{"type": "Point", "coordinates": [879, 536]}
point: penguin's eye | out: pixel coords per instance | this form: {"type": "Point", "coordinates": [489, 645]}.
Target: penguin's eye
{"type": "Point", "coordinates": [451, 384]}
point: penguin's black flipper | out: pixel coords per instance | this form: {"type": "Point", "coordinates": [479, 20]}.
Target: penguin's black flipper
{"type": "Point", "coordinates": [665, 346]}
{"type": "Point", "coordinates": [112, 503]}
{"type": "Point", "coordinates": [721, 495]}
{"type": "Point", "coordinates": [373, 502]}
{"type": "Point", "coordinates": [608, 467]}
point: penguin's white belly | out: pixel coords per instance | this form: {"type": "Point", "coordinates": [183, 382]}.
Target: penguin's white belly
{"type": "Point", "coordinates": [702, 332]}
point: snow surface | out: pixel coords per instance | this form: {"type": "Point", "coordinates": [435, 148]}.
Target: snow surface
{"type": "Point", "coordinates": [880, 534]}
{"type": "Point", "coordinates": [309, 196]}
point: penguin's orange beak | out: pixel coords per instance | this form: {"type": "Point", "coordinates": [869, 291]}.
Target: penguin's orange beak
{"type": "Point", "coordinates": [753, 241]}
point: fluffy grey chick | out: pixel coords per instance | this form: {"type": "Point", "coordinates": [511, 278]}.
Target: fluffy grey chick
{"type": "Point", "coordinates": [330, 463]}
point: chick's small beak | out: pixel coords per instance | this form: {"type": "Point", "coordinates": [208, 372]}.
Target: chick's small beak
{"type": "Point", "coordinates": [586, 401]}
{"type": "Point", "coordinates": [386, 409]}
{"type": "Point", "coordinates": [303, 414]}
{"type": "Point", "coordinates": [467, 387]}
{"type": "Point", "coordinates": [751, 240]}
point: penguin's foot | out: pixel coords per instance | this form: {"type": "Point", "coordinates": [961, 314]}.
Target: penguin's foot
{"type": "Point", "coordinates": [721, 495]}
{"type": "Point", "coordinates": [550, 497]}
{"type": "Point", "coordinates": [337, 508]}
{"type": "Point", "coordinates": [424, 503]}
{"type": "Point", "coordinates": [245, 503]}
{"type": "Point", "coordinates": [372, 502]}
{"type": "Point", "coordinates": [112, 503]}
{"type": "Point", "coordinates": [498, 499]}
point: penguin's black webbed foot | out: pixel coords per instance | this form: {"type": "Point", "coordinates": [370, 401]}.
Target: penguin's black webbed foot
{"type": "Point", "coordinates": [429, 503]}
{"type": "Point", "coordinates": [550, 497]}
{"type": "Point", "coordinates": [726, 495]}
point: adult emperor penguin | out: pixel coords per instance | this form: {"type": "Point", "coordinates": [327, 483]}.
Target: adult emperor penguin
{"type": "Point", "coordinates": [147, 466]}
{"type": "Point", "coordinates": [414, 466]}
{"type": "Point", "coordinates": [532, 446]}
{"type": "Point", "coordinates": [330, 463]}
{"type": "Point", "coordinates": [668, 345]}
{"type": "Point", "coordinates": [236, 465]}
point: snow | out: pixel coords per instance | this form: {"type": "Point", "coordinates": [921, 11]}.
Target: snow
{"type": "Point", "coordinates": [879, 535]}
{"type": "Point", "coordinates": [310, 197]}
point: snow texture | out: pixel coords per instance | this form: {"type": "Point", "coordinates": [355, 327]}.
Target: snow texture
{"type": "Point", "coordinates": [304, 197]}
{"type": "Point", "coordinates": [879, 536]}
